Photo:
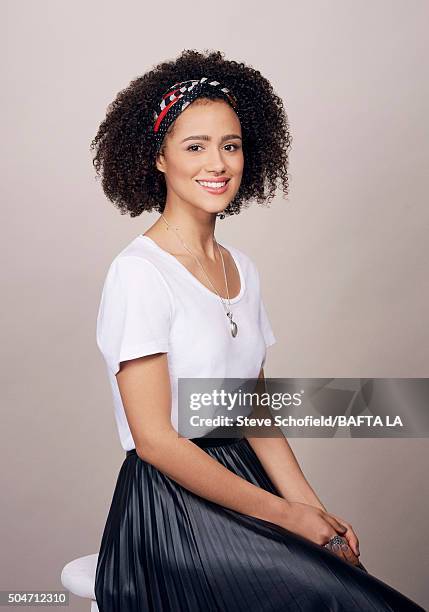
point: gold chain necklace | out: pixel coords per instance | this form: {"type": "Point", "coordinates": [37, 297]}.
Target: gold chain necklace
{"type": "Point", "coordinates": [234, 327]}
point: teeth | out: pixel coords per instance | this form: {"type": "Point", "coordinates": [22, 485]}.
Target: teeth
{"type": "Point", "coordinates": [212, 185]}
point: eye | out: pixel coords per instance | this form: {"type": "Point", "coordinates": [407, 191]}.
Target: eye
{"type": "Point", "coordinates": [195, 150]}
{"type": "Point", "coordinates": [236, 147]}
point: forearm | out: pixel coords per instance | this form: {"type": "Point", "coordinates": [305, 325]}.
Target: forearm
{"type": "Point", "coordinates": [197, 471]}
{"type": "Point", "coordinates": [281, 465]}
{"type": "Point", "coordinates": [279, 461]}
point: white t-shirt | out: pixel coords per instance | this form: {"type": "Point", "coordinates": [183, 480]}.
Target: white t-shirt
{"type": "Point", "coordinates": [151, 303]}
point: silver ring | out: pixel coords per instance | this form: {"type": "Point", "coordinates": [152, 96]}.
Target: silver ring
{"type": "Point", "coordinates": [335, 540]}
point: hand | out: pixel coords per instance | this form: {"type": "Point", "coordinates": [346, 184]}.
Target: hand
{"type": "Point", "coordinates": [319, 526]}
{"type": "Point", "coordinates": [311, 522]}
{"type": "Point", "coordinates": [349, 535]}
{"type": "Point", "coordinates": [343, 551]}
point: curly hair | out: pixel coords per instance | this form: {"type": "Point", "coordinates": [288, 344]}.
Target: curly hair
{"type": "Point", "coordinates": [126, 151]}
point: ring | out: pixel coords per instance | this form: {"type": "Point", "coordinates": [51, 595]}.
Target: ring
{"type": "Point", "coordinates": [335, 540]}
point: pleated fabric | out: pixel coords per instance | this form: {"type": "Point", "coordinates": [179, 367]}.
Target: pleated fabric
{"type": "Point", "coordinates": [165, 549]}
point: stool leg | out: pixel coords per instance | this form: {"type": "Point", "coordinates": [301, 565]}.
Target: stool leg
{"type": "Point", "coordinates": [94, 607]}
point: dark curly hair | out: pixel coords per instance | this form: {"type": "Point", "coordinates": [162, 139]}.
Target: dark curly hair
{"type": "Point", "coordinates": [126, 151]}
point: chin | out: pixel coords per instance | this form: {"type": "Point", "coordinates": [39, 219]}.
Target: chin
{"type": "Point", "coordinates": [212, 208]}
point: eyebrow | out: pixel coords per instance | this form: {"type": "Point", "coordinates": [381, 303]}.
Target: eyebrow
{"type": "Point", "coordinates": [204, 137]}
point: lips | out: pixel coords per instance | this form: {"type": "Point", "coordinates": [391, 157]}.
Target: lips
{"type": "Point", "coordinates": [214, 180]}
{"type": "Point", "coordinates": [214, 186]}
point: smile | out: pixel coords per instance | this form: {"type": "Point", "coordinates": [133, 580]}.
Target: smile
{"type": "Point", "coordinates": [214, 186]}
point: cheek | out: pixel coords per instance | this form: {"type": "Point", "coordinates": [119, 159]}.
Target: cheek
{"type": "Point", "coordinates": [186, 167]}
{"type": "Point", "coordinates": [182, 174]}
{"type": "Point", "coordinates": [237, 163]}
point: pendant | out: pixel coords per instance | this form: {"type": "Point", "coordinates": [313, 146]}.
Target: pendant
{"type": "Point", "coordinates": [234, 328]}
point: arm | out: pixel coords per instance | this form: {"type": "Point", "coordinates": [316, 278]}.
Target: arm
{"type": "Point", "coordinates": [282, 467]}
{"type": "Point", "coordinates": [144, 385]}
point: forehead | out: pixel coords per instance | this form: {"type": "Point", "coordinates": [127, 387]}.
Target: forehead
{"type": "Point", "coordinates": [206, 116]}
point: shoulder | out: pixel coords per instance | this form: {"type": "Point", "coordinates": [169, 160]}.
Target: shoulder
{"type": "Point", "coordinates": [135, 260]}
{"type": "Point", "coordinates": [135, 271]}
{"type": "Point", "coordinates": [246, 262]}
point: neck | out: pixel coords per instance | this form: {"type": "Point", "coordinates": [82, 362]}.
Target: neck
{"type": "Point", "coordinates": [195, 228]}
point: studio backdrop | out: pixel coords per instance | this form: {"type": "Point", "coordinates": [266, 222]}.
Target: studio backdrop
{"type": "Point", "coordinates": [343, 258]}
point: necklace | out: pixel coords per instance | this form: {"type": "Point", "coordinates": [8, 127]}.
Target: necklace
{"type": "Point", "coordinates": [233, 324]}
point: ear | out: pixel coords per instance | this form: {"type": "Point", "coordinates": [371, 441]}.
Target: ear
{"type": "Point", "coordinates": [160, 161]}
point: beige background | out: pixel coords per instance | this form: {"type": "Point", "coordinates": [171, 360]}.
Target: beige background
{"type": "Point", "coordinates": [343, 261]}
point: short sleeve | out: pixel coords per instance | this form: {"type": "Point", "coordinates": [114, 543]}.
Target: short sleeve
{"type": "Point", "coordinates": [266, 329]}
{"type": "Point", "coordinates": [135, 312]}
{"type": "Point", "coordinates": [264, 322]}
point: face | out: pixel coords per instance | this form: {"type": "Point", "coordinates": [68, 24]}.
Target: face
{"type": "Point", "coordinates": [204, 145]}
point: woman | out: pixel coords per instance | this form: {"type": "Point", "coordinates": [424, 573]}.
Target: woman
{"type": "Point", "coordinates": [221, 524]}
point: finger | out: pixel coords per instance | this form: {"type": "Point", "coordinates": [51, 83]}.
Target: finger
{"type": "Point", "coordinates": [336, 550]}
{"type": "Point", "coordinates": [344, 552]}
{"type": "Point", "coordinates": [339, 528]}
{"type": "Point", "coordinates": [349, 535]}
{"type": "Point", "coordinates": [349, 554]}
{"type": "Point", "coordinates": [352, 540]}
{"type": "Point", "coordinates": [340, 521]}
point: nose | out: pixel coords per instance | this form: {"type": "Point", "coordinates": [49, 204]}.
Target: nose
{"type": "Point", "coordinates": [215, 161]}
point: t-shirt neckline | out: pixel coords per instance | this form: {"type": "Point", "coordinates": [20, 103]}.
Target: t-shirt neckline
{"type": "Point", "coordinates": [195, 279]}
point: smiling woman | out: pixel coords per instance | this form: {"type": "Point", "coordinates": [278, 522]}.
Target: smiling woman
{"type": "Point", "coordinates": [203, 521]}
{"type": "Point", "coordinates": [126, 143]}
{"type": "Point", "coordinates": [211, 163]}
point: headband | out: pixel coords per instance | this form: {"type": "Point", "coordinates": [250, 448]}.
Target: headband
{"type": "Point", "coordinates": [185, 91]}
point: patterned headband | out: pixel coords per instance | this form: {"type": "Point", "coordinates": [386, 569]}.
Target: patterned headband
{"type": "Point", "coordinates": [185, 91]}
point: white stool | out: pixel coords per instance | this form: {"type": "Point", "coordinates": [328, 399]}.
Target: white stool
{"type": "Point", "coordinates": [78, 576]}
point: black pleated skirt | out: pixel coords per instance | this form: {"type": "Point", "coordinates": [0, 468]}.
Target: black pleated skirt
{"type": "Point", "coordinates": [165, 549]}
